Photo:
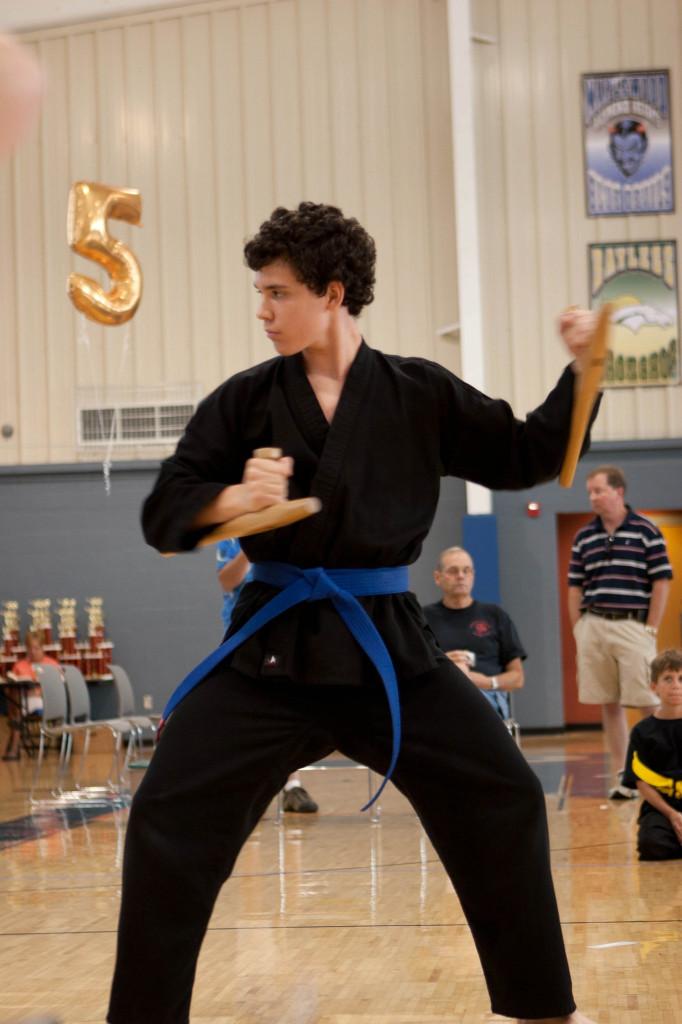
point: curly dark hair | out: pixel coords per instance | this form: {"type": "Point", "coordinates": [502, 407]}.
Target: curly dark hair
{"type": "Point", "coordinates": [320, 245]}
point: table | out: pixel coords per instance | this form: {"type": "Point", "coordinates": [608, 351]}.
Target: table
{"type": "Point", "coordinates": [8, 688]}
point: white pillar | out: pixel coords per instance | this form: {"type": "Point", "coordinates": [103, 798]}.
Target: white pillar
{"type": "Point", "coordinates": [479, 499]}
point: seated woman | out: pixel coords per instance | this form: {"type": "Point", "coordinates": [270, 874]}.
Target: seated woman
{"type": "Point", "coordinates": [21, 700]}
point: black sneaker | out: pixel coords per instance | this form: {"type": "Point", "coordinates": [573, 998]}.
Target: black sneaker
{"type": "Point", "coordinates": [299, 801]}
{"type": "Point", "coordinates": [621, 792]}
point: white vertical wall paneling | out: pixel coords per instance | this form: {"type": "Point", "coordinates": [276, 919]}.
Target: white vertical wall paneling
{"type": "Point", "coordinates": [284, 59]}
{"type": "Point", "coordinates": [544, 48]}
{"type": "Point", "coordinates": [59, 342]}
{"type": "Point", "coordinates": [9, 379]}
{"type": "Point", "coordinates": [112, 116]}
{"type": "Point", "coordinates": [605, 30]}
{"type": "Point", "coordinates": [260, 193]}
{"type": "Point", "coordinates": [579, 231]}
{"type": "Point", "coordinates": [316, 124]}
{"type": "Point", "coordinates": [492, 205]}
{"type": "Point", "coordinates": [31, 313]}
{"type": "Point", "coordinates": [362, 212]}
{"type": "Point", "coordinates": [275, 101]}
{"type": "Point", "coordinates": [201, 194]}
{"type": "Point", "coordinates": [234, 281]}
{"type": "Point", "coordinates": [381, 323]}
{"type": "Point", "coordinates": [359, 122]}
{"type": "Point", "coordinates": [521, 196]}
{"type": "Point", "coordinates": [84, 156]}
{"type": "Point", "coordinates": [173, 269]}
{"type": "Point", "coordinates": [344, 107]}
{"type": "Point", "coordinates": [439, 216]}
{"type": "Point", "coordinates": [666, 43]}
{"type": "Point", "coordinates": [574, 232]}
{"type": "Point", "coordinates": [548, 158]}
{"type": "Point", "coordinates": [409, 180]}
{"type": "Point", "coordinates": [637, 52]}
{"type": "Point", "coordinates": [147, 358]}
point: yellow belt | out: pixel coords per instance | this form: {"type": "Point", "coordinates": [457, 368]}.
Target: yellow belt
{"type": "Point", "coordinates": [666, 785]}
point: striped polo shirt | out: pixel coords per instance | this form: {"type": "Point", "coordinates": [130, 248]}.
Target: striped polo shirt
{"type": "Point", "coordinates": [616, 572]}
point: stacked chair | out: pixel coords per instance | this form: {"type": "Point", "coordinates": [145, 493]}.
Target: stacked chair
{"type": "Point", "coordinates": [126, 709]}
{"type": "Point", "coordinates": [66, 713]}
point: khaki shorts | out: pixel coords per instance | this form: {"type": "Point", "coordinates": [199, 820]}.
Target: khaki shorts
{"type": "Point", "coordinates": [614, 658]}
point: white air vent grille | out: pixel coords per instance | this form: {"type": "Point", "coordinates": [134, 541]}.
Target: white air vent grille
{"type": "Point", "coordinates": [125, 422]}
{"type": "Point", "coordinates": [133, 424]}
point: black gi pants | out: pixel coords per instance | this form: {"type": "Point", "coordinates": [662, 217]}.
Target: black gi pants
{"type": "Point", "coordinates": [656, 839]}
{"type": "Point", "coordinates": [229, 748]}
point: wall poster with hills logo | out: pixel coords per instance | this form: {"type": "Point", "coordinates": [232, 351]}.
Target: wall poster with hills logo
{"type": "Point", "coordinates": [640, 280]}
{"type": "Point", "coordinates": [627, 143]}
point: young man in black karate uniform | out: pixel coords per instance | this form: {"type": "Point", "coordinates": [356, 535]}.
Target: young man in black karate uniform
{"type": "Point", "coordinates": [370, 435]}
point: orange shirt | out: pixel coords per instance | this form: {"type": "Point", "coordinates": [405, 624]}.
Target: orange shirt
{"type": "Point", "coordinates": [25, 668]}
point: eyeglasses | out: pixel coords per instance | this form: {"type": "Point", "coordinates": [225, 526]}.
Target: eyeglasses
{"type": "Point", "coordinates": [454, 570]}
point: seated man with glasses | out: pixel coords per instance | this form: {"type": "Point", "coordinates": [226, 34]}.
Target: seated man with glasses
{"type": "Point", "coordinates": [480, 639]}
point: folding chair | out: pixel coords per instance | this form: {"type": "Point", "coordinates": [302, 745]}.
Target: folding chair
{"type": "Point", "coordinates": [80, 719]}
{"type": "Point", "coordinates": [55, 724]}
{"type": "Point", "coordinates": [126, 705]}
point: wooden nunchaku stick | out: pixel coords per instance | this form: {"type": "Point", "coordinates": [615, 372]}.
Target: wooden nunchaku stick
{"type": "Point", "coordinates": [585, 394]}
{"type": "Point", "coordinates": [283, 513]}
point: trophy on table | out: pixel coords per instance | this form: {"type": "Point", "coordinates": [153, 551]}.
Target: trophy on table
{"type": "Point", "coordinates": [66, 630]}
{"type": "Point", "coordinates": [99, 650]}
{"type": "Point", "coordinates": [9, 612]}
{"type": "Point", "coordinates": [41, 619]}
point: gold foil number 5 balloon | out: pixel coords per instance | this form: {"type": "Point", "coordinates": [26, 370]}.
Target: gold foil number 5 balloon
{"type": "Point", "coordinates": [90, 206]}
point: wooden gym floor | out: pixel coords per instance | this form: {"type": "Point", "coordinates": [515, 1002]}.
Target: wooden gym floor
{"type": "Point", "coordinates": [332, 920]}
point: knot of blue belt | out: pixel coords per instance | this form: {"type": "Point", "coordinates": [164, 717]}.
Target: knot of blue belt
{"type": "Point", "coordinates": [342, 587]}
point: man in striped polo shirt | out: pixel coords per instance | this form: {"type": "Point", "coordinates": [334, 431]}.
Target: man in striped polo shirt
{"type": "Point", "coordinates": [618, 583]}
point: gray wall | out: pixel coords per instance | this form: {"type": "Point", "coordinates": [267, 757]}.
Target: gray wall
{"type": "Point", "coordinates": [446, 531]}
{"type": "Point", "coordinates": [529, 578]}
{"type": "Point", "coordinates": [63, 536]}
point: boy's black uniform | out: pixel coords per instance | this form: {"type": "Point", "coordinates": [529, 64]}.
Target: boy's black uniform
{"type": "Point", "coordinates": [655, 757]}
{"type": "Point", "coordinates": [301, 687]}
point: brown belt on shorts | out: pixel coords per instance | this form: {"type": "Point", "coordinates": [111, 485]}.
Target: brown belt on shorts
{"type": "Point", "coordinates": [640, 614]}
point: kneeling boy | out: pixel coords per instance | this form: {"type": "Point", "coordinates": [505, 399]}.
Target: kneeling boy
{"type": "Point", "coordinates": [654, 763]}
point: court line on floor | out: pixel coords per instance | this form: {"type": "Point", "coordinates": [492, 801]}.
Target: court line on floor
{"type": "Point", "coordinates": [346, 925]}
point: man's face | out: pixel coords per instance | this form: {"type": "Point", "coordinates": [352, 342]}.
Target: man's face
{"type": "Point", "coordinates": [293, 316]}
{"type": "Point", "coordinates": [668, 688]}
{"type": "Point", "coordinates": [604, 499]}
{"type": "Point", "coordinates": [455, 577]}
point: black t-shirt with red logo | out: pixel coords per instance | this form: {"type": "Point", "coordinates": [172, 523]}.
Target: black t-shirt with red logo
{"type": "Point", "coordinates": [482, 628]}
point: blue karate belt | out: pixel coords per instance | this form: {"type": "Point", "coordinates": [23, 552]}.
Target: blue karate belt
{"type": "Point", "coordinates": [342, 587]}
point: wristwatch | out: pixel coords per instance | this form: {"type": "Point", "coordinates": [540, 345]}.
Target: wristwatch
{"type": "Point", "coordinates": [652, 629]}
{"type": "Point", "coordinates": [494, 685]}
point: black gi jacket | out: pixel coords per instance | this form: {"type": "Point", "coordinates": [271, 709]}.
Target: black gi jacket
{"type": "Point", "coordinates": [400, 424]}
